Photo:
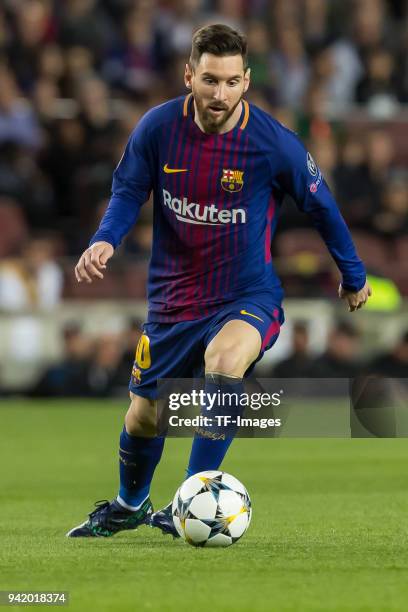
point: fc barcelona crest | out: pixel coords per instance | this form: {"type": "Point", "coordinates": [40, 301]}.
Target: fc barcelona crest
{"type": "Point", "coordinates": [232, 180]}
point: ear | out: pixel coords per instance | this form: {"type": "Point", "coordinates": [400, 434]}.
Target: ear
{"type": "Point", "coordinates": [247, 79]}
{"type": "Point", "coordinates": [188, 75]}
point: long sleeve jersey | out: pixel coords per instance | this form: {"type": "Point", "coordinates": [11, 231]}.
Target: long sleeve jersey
{"type": "Point", "coordinates": [216, 203]}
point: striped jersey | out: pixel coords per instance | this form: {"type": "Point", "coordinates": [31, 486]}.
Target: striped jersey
{"type": "Point", "coordinates": [216, 202]}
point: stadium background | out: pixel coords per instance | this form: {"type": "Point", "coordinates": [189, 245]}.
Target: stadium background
{"type": "Point", "coordinates": [75, 76]}
{"type": "Point", "coordinates": [329, 525]}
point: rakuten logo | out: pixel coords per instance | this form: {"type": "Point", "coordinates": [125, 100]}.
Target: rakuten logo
{"type": "Point", "coordinates": [191, 212]}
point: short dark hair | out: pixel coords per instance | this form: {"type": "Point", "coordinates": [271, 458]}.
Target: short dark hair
{"type": "Point", "coordinates": [220, 40]}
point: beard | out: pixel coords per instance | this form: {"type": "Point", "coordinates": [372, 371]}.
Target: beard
{"type": "Point", "coordinates": [213, 124]}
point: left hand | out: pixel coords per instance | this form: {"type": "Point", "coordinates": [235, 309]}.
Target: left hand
{"type": "Point", "coordinates": [355, 299]}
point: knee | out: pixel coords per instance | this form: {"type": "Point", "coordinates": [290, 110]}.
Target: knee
{"type": "Point", "coordinates": [141, 417]}
{"type": "Point", "coordinates": [230, 360]}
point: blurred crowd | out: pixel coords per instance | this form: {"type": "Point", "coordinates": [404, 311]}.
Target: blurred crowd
{"type": "Point", "coordinates": [100, 366]}
{"type": "Point", "coordinates": [342, 357]}
{"type": "Point", "coordinates": [90, 366]}
{"type": "Point", "coordinates": [75, 77]}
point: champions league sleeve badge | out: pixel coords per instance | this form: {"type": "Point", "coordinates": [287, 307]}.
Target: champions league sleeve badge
{"type": "Point", "coordinates": [311, 165]}
{"type": "Point", "coordinates": [315, 172]}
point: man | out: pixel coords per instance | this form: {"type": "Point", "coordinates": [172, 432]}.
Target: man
{"type": "Point", "coordinates": [393, 363]}
{"type": "Point", "coordinates": [298, 363]}
{"type": "Point", "coordinates": [340, 357]}
{"type": "Point", "coordinates": [218, 168]}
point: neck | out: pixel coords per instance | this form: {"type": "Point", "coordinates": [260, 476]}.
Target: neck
{"type": "Point", "coordinates": [225, 127]}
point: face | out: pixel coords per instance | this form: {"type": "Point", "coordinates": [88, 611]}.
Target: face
{"type": "Point", "coordinates": [218, 84]}
{"type": "Point", "coordinates": [343, 346]}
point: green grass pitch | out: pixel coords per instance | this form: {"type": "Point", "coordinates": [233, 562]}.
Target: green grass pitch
{"type": "Point", "coordinates": [329, 529]}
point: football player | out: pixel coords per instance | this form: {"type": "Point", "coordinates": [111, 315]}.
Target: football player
{"type": "Point", "coordinates": [219, 168]}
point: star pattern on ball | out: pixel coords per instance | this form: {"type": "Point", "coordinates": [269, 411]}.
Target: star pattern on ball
{"type": "Point", "coordinates": [220, 526]}
{"type": "Point", "coordinates": [221, 523]}
{"type": "Point", "coordinates": [214, 485]}
{"type": "Point", "coordinates": [182, 511]}
{"type": "Point", "coordinates": [246, 502]}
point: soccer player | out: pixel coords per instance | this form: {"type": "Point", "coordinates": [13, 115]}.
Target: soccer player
{"type": "Point", "coordinates": [218, 168]}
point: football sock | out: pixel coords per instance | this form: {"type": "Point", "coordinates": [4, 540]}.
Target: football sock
{"type": "Point", "coordinates": [211, 444]}
{"type": "Point", "coordinates": [138, 458]}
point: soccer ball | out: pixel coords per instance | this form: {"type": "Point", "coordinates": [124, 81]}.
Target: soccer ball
{"type": "Point", "coordinates": [211, 509]}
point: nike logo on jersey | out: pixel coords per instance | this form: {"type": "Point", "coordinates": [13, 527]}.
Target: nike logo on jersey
{"type": "Point", "coordinates": [244, 312]}
{"type": "Point", "coordinates": [173, 170]}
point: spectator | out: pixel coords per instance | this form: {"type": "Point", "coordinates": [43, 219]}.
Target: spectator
{"type": "Point", "coordinates": [80, 65]}
{"type": "Point", "coordinates": [316, 22]}
{"type": "Point", "coordinates": [33, 280]}
{"type": "Point", "coordinates": [361, 180]}
{"type": "Point", "coordinates": [312, 118]}
{"type": "Point", "coordinates": [96, 118]}
{"type": "Point", "coordinates": [66, 378]}
{"type": "Point", "coordinates": [380, 154]}
{"type": "Point", "coordinates": [378, 83]}
{"type": "Point", "coordinates": [259, 59]}
{"type": "Point", "coordinates": [391, 220]}
{"type": "Point", "coordinates": [324, 76]}
{"type": "Point", "coordinates": [299, 362]}
{"type": "Point", "coordinates": [352, 183]}
{"type": "Point", "coordinates": [291, 67]}
{"type": "Point", "coordinates": [393, 364]}
{"type": "Point", "coordinates": [62, 161]}
{"type": "Point", "coordinates": [45, 102]}
{"type": "Point", "coordinates": [173, 27]}
{"type": "Point", "coordinates": [35, 25]}
{"type": "Point", "coordinates": [131, 63]}
{"type": "Point", "coordinates": [50, 64]}
{"type": "Point", "coordinates": [340, 360]}
{"type": "Point", "coordinates": [18, 124]}
{"type": "Point", "coordinates": [101, 375]}
{"type": "Point", "coordinates": [84, 23]}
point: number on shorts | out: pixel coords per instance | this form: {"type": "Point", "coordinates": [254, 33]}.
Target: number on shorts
{"type": "Point", "coordinates": [142, 357]}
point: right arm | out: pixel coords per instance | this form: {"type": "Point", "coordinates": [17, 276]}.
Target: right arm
{"type": "Point", "coordinates": [131, 186]}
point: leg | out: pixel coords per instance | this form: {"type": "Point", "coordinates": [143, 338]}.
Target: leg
{"type": "Point", "coordinates": [141, 417]}
{"type": "Point", "coordinates": [140, 451]}
{"type": "Point", "coordinates": [227, 358]}
{"type": "Point", "coordinates": [233, 346]}
{"type": "Point", "coordinates": [164, 351]}
{"type": "Point", "coordinates": [233, 349]}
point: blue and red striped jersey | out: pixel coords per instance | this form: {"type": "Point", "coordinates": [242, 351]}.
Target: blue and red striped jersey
{"type": "Point", "coordinates": [216, 199]}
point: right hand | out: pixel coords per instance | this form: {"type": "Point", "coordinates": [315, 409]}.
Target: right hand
{"type": "Point", "coordinates": [93, 261]}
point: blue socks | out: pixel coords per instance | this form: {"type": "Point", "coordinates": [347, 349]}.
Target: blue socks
{"type": "Point", "coordinates": [138, 458]}
{"type": "Point", "coordinates": [211, 444]}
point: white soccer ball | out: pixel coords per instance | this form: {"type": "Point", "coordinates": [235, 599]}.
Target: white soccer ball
{"type": "Point", "coordinates": [211, 509]}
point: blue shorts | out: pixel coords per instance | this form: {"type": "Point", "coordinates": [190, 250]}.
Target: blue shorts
{"type": "Point", "coordinates": [176, 350]}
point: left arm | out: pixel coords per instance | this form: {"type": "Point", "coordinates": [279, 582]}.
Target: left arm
{"type": "Point", "coordinates": [301, 178]}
